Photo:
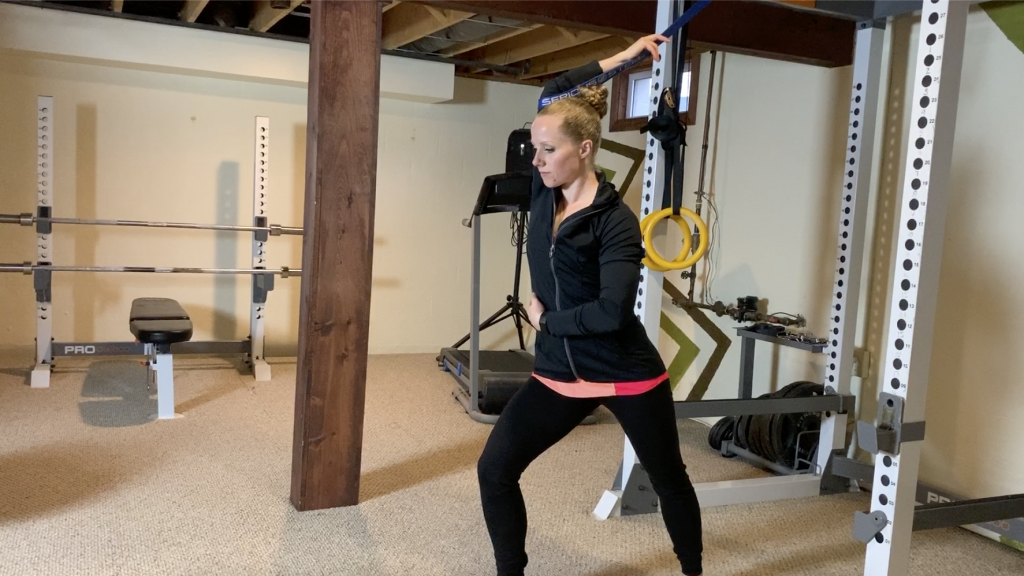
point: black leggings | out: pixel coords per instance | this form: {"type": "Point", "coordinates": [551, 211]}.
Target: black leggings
{"type": "Point", "coordinates": [538, 417]}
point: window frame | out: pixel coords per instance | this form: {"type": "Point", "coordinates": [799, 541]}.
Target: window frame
{"type": "Point", "coordinates": [618, 108]}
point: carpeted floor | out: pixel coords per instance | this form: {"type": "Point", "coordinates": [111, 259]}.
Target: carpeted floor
{"type": "Point", "coordinates": [89, 485]}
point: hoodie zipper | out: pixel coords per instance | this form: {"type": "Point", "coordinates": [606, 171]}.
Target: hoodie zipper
{"type": "Point", "coordinates": [551, 260]}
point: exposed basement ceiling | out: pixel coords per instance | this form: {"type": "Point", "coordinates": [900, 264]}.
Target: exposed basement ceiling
{"type": "Point", "coordinates": [481, 46]}
{"type": "Point", "coordinates": [525, 41]}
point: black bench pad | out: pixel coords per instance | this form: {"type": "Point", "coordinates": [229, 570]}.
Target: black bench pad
{"type": "Point", "coordinates": [159, 321]}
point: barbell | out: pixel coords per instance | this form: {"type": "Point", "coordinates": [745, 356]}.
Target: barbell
{"type": "Point", "coordinates": [29, 268]}
{"type": "Point", "coordinates": [29, 219]}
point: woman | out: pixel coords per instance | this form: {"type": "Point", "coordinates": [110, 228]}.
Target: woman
{"type": "Point", "coordinates": [585, 252]}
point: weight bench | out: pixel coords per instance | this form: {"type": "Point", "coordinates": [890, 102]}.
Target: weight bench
{"type": "Point", "coordinates": [157, 323]}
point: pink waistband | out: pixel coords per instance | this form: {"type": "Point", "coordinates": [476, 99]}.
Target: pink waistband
{"type": "Point", "coordinates": [585, 389]}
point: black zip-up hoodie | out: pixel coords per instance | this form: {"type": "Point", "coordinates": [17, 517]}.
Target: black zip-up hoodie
{"type": "Point", "coordinates": [586, 276]}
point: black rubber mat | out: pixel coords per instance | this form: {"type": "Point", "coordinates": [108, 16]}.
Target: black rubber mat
{"type": "Point", "coordinates": [496, 360]}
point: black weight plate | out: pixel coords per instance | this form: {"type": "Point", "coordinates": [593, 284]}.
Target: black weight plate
{"type": "Point", "coordinates": [715, 435]}
{"type": "Point", "coordinates": [742, 429]}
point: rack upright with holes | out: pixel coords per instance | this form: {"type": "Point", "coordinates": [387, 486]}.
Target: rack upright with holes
{"type": "Point", "coordinates": [924, 196]}
{"type": "Point", "coordinates": [895, 438]}
{"type": "Point", "coordinates": [44, 243]}
{"type": "Point", "coordinates": [628, 494]}
{"type": "Point", "coordinates": [261, 283]}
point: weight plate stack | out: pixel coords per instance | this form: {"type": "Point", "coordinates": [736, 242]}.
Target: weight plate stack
{"type": "Point", "coordinates": [785, 428]}
{"type": "Point", "coordinates": [773, 437]}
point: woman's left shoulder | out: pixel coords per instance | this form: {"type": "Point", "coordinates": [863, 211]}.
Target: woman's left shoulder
{"type": "Point", "coordinates": [619, 221]}
{"type": "Point", "coordinates": [621, 214]}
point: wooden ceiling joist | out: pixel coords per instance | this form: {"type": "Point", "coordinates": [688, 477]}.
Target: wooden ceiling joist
{"type": "Point", "coordinates": [409, 22]}
{"type": "Point", "coordinates": [563, 60]}
{"type": "Point", "coordinates": [531, 44]}
{"type": "Point", "coordinates": [619, 17]}
{"type": "Point", "coordinates": [489, 39]}
{"type": "Point", "coordinates": [192, 9]}
{"type": "Point", "coordinates": [266, 15]}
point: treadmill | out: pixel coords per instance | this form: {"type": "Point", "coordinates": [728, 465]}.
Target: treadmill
{"type": "Point", "coordinates": [485, 380]}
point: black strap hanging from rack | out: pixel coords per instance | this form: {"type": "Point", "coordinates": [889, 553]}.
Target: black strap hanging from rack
{"type": "Point", "coordinates": [666, 127]}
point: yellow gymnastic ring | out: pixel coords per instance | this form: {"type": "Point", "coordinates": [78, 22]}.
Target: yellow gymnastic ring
{"type": "Point", "coordinates": [654, 261]}
{"type": "Point", "coordinates": [647, 229]}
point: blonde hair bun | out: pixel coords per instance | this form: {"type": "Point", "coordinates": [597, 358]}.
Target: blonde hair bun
{"type": "Point", "coordinates": [581, 116]}
{"type": "Point", "coordinates": [597, 98]}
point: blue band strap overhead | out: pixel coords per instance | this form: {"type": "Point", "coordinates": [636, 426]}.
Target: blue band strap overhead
{"type": "Point", "coordinates": [606, 76]}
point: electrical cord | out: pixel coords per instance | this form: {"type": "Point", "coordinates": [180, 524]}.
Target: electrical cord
{"type": "Point", "coordinates": [713, 230]}
{"type": "Point", "coordinates": [514, 225]}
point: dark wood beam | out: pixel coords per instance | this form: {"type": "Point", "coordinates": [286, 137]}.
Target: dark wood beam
{"type": "Point", "coordinates": [774, 31]}
{"type": "Point", "coordinates": [767, 29]}
{"type": "Point", "coordinates": [337, 252]}
{"type": "Point", "coordinates": [801, 3]}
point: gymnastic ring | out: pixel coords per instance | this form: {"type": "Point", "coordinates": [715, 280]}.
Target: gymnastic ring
{"type": "Point", "coordinates": [646, 229]}
{"type": "Point", "coordinates": [684, 259]}
{"type": "Point", "coordinates": [654, 261]}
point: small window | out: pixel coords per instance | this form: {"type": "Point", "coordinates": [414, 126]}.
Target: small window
{"type": "Point", "coordinates": [639, 94]}
{"type": "Point", "coordinates": [631, 97]}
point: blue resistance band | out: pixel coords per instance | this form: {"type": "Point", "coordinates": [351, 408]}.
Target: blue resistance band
{"type": "Point", "coordinates": [606, 76]}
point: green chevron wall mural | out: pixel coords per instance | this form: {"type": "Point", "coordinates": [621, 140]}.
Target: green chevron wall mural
{"type": "Point", "coordinates": [1009, 17]}
{"type": "Point", "coordinates": [687, 353]}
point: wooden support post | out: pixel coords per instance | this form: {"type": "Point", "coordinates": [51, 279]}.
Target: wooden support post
{"type": "Point", "coordinates": [337, 252]}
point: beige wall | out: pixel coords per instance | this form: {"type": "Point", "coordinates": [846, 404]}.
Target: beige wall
{"type": "Point", "coordinates": [153, 144]}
